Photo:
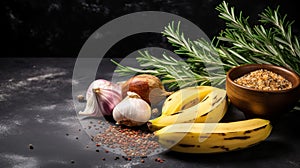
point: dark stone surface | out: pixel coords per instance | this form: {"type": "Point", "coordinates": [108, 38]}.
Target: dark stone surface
{"type": "Point", "coordinates": [36, 107]}
{"type": "Point", "coordinates": [58, 28]}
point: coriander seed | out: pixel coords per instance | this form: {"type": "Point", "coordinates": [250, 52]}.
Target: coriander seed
{"type": "Point", "coordinates": [263, 79]}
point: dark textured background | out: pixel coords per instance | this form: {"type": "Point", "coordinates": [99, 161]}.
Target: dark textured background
{"type": "Point", "coordinates": [36, 103]}
{"type": "Point", "coordinates": [58, 28]}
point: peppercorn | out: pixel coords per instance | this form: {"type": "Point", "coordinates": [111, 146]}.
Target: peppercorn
{"type": "Point", "coordinates": [30, 146]}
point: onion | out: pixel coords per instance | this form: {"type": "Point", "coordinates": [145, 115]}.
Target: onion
{"type": "Point", "coordinates": [148, 87]}
{"type": "Point", "coordinates": [102, 96]}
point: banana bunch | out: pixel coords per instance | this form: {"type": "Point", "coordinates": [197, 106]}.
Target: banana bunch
{"type": "Point", "coordinates": [190, 123]}
{"type": "Point", "coordinates": [211, 106]}
{"type": "Point", "coordinates": [213, 137]}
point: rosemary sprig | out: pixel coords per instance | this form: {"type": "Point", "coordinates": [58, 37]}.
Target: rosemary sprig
{"type": "Point", "coordinates": [174, 73]}
{"type": "Point", "coordinates": [258, 44]}
{"type": "Point", "coordinates": [198, 51]}
{"type": "Point", "coordinates": [202, 67]}
{"type": "Point", "coordinates": [271, 42]}
{"type": "Point", "coordinates": [284, 36]}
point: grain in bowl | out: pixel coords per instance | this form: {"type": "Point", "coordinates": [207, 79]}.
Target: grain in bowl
{"type": "Point", "coordinates": [258, 102]}
{"type": "Point", "coordinates": [263, 79]}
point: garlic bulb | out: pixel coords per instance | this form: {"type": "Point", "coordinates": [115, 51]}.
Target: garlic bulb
{"type": "Point", "coordinates": [132, 111]}
{"type": "Point", "coordinates": [102, 96]}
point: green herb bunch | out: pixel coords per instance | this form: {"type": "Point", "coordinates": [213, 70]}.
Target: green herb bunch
{"type": "Point", "coordinates": [271, 42]}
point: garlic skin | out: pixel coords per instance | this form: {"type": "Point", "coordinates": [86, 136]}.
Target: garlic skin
{"type": "Point", "coordinates": [102, 96]}
{"type": "Point", "coordinates": [132, 111]}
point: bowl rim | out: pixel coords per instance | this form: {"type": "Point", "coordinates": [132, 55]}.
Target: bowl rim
{"type": "Point", "coordinates": [263, 65]}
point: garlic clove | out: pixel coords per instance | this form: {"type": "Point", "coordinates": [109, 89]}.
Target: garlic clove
{"type": "Point", "coordinates": [107, 100]}
{"type": "Point", "coordinates": [102, 96]}
{"type": "Point", "coordinates": [91, 108]}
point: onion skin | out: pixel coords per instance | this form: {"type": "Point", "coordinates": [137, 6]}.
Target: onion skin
{"type": "Point", "coordinates": [148, 87]}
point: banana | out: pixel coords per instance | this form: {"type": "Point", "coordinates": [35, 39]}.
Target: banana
{"type": "Point", "coordinates": [214, 137]}
{"type": "Point", "coordinates": [211, 109]}
{"type": "Point", "coordinates": [182, 98]}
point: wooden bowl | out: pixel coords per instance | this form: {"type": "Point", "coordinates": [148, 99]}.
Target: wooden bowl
{"type": "Point", "coordinates": [260, 103]}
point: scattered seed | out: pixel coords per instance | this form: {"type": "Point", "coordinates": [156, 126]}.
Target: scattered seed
{"type": "Point", "coordinates": [159, 160]}
{"type": "Point", "coordinates": [133, 142]}
{"type": "Point", "coordinates": [155, 110]}
{"type": "Point", "coordinates": [30, 146]}
{"type": "Point", "coordinates": [97, 150]}
{"type": "Point", "coordinates": [142, 161]}
{"type": "Point", "coordinates": [80, 98]}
